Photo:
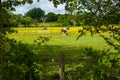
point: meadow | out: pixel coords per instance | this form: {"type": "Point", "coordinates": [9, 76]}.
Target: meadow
{"type": "Point", "coordinates": [28, 35]}
{"type": "Point", "coordinates": [58, 42]}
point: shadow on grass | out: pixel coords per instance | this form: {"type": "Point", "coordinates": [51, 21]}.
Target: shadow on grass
{"type": "Point", "coordinates": [48, 56]}
{"type": "Point", "coordinates": [53, 51]}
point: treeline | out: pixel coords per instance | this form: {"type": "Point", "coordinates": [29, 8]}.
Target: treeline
{"type": "Point", "coordinates": [37, 15]}
{"type": "Point", "coordinates": [33, 17]}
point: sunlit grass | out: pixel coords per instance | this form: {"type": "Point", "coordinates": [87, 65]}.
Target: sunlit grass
{"type": "Point", "coordinates": [28, 35]}
{"type": "Point", "coordinates": [59, 42]}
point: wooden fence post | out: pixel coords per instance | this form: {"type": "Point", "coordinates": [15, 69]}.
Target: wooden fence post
{"type": "Point", "coordinates": [61, 66]}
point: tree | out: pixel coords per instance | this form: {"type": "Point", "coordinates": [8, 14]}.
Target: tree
{"type": "Point", "coordinates": [11, 67]}
{"type": "Point", "coordinates": [19, 62]}
{"type": "Point", "coordinates": [51, 17]}
{"type": "Point", "coordinates": [14, 20]}
{"type": "Point", "coordinates": [99, 13]}
{"type": "Point", "coordinates": [97, 8]}
{"type": "Point", "coordinates": [35, 13]}
{"type": "Point", "coordinates": [26, 21]}
{"type": "Point", "coordinates": [43, 19]}
{"type": "Point", "coordinates": [108, 64]}
{"type": "Point", "coordinates": [63, 20]}
{"type": "Point", "coordinates": [8, 5]}
{"type": "Point", "coordinates": [66, 20]}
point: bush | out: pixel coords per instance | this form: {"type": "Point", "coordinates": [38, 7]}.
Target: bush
{"type": "Point", "coordinates": [18, 62]}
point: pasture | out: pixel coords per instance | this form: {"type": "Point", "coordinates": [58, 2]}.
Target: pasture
{"type": "Point", "coordinates": [28, 35]}
{"type": "Point", "coordinates": [59, 42]}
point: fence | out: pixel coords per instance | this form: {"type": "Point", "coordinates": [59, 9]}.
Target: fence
{"type": "Point", "coordinates": [62, 62]}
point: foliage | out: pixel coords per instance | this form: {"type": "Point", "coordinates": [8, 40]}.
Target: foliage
{"type": "Point", "coordinates": [106, 63]}
{"type": "Point", "coordinates": [35, 13]}
{"type": "Point", "coordinates": [102, 11]}
{"type": "Point", "coordinates": [99, 13]}
{"type": "Point", "coordinates": [10, 4]}
{"type": "Point", "coordinates": [35, 22]}
{"type": "Point", "coordinates": [6, 6]}
{"type": "Point", "coordinates": [5, 21]}
{"type": "Point", "coordinates": [26, 21]}
{"type": "Point", "coordinates": [65, 20]}
{"type": "Point", "coordinates": [12, 54]}
{"type": "Point", "coordinates": [50, 24]}
{"type": "Point", "coordinates": [98, 65]}
{"type": "Point", "coordinates": [51, 17]}
{"type": "Point", "coordinates": [40, 40]}
{"type": "Point", "coordinates": [18, 62]}
{"type": "Point", "coordinates": [73, 50]}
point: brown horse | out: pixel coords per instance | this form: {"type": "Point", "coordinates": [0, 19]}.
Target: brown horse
{"type": "Point", "coordinates": [64, 30]}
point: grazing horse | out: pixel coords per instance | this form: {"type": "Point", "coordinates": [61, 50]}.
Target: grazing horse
{"type": "Point", "coordinates": [64, 30]}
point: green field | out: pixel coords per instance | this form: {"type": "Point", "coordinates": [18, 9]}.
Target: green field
{"type": "Point", "coordinates": [28, 35]}
{"type": "Point", "coordinates": [59, 42]}
{"type": "Point", "coordinates": [47, 24]}
{"type": "Point", "coordinates": [50, 24]}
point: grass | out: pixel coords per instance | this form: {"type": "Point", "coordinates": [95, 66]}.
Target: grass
{"type": "Point", "coordinates": [47, 24]}
{"type": "Point", "coordinates": [58, 43]}
{"type": "Point", "coordinates": [28, 35]}
{"type": "Point", "coordinates": [50, 24]}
